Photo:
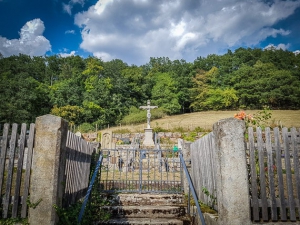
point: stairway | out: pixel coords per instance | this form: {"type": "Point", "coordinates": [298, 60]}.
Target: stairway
{"type": "Point", "coordinates": [142, 209]}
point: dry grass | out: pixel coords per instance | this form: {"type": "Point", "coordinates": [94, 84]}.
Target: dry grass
{"type": "Point", "coordinates": [205, 120]}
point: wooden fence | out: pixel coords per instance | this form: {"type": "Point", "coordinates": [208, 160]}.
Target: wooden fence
{"type": "Point", "coordinates": [274, 174]}
{"type": "Point", "coordinates": [15, 163]}
{"type": "Point", "coordinates": [16, 150]}
{"type": "Point", "coordinates": [77, 171]}
{"type": "Point", "coordinates": [203, 169]}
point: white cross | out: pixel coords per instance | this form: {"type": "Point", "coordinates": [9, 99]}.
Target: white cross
{"type": "Point", "coordinates": [148, 108]}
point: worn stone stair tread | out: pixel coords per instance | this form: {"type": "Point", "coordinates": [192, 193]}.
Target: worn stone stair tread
{"type": "Point", "coordinates": [162, 211]}
{"type": "Point", "coordinates": [144, 221]}
{"type": "Point", "coordinates": [150, 199]}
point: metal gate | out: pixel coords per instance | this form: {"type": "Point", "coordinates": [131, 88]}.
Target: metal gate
{"type": "Point", "coordinates": [141, 170]}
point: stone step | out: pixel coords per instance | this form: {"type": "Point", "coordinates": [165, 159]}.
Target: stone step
{"type": "Point", "coordinates": [150, 199]}
{"type": "Point", "coordinates": [155, 211]}
{"type": "Point", "coordinates": [144, 221]}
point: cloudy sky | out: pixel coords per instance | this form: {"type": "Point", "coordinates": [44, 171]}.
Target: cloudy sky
{"type": "Point", "coordinates": [135, 30]}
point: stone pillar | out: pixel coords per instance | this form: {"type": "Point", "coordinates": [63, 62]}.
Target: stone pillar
{"type": "Point", "coordinates": [231, 172]}
{"type": "Point", "coordinates": [48, 164]}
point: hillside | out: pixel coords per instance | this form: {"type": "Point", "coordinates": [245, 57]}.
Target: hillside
{"type": "Point", "coordinates": [205, 120]}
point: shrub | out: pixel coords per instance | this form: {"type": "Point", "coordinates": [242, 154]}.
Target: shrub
{"type": "Point", "coordinates": [140, 116]}
{"type": "Point", "coordinates": [86, 127]}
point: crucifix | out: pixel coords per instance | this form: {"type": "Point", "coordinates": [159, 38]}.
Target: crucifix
{"type": "Point", "coordinates": [148, 108]}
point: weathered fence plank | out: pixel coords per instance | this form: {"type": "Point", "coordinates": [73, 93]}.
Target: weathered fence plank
{"type": "Point", "coordinates": [296, 162]}
{"type": "Point", "coordinates": [252, 152]}
{"type": "Point", "coordinates": [271, 167]}
{"type": "Point", "coordinates": [288, 174]}
{"type": "Point", "coordinates": [283, 214]}
{"type": "Point", "coordinates": [12, 148]}
{"type": "Point", "coordinates": [19, 170]}
{"type": "Point", "coordinates": [27, 172]}
{"type": "Point", "coordinates": [3, 154]}
{"type": "Point", "coordinates": [263, 193]}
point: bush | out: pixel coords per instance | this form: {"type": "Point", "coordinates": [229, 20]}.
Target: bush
{"type": "Point", "coordinates": [157, 129]}
{"type": "Point", "coordinates": [86, 127]}
{"type": "Point", "coordinates": [140, 116]}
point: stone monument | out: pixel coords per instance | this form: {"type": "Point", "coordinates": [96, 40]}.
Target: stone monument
{"type": "Point", "coordinates": [148, 141]}
{"type": "Point", "coordinates": [106, 140]}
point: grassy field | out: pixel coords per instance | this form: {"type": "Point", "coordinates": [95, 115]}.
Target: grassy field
{"type": "Point", "coordinates": [205, 120]}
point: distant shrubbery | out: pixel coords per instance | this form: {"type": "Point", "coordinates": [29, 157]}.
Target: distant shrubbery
{"type": "Point", "coordinates": [139, 116]}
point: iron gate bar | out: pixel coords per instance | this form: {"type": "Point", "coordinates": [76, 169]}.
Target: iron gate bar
{"type": "Point", "coordinates": [141, 170]}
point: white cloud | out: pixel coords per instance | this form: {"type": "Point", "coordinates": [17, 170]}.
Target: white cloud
{"type": "Point", "coordinates": [31, 41]}
{"type": "Point", "coordinates": [137, 30]}
{"type": "Point", "coordinates": [68, 7]}
{"type": "Point", "coordinates": [277, 47]}
{"type": "Point", "coordinates": [297, 52]}
{"type": "Point", "coordinates": [67, 54]}
{"type": "Point", "coordinates": [70, 32]}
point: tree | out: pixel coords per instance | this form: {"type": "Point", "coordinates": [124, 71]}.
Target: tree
{"type": "Point", "coordinates": [164, 93]}
{"type": "Point", "coordinates": [73, 114]}
{"type": "Point", "coordinates": [203, 82]}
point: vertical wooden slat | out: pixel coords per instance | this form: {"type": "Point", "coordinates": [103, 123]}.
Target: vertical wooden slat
{"type": "Point", "coordinates": [296, 163]}
{"type": "Point", "coordinates": [67, 171]}
{"type": "Point", "coordinates": [255, 206]}
{"type": "Point", "coordinates": [12, 147]}
{"type": "Point", "coordinates": [19, 170]}
{"type": "Point", "coordinates": [263, 194]}
{"type": "Point", "coordinates": [75, 169]}
{"type": "Point", "coordinates": [81, 168]}
{"type": "Point", "coordinates": [282, 205]}
{"type": "Point", "coordinates": [271, 175]}
{"type": "Point", "coordinates": [72, 168]}
{"type": "Point", "coordinates": [3, 154]}
{"type": "Point", "coordinates": [28, 167]}
{"type": "Point", "coordinates": [291, 201]}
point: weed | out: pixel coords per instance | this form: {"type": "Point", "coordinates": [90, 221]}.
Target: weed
{"type": "Point", "coordinates": [212, 199]}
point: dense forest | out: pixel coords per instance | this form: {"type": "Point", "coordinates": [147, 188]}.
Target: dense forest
{"type": "Point", "coordinates": [89, 90]}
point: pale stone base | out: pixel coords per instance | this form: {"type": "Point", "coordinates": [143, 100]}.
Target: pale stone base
{"type": "Point", "coordinates": [148, 138]}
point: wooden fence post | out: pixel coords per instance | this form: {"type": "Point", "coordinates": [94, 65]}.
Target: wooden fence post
{"type": "Point", "coordinates": [231, 172]}
{"type": "Point", "coordinates": [48, 164]}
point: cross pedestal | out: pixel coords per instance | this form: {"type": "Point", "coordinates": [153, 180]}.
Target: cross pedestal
{"type": "Point", "coordinates": [148, 141]}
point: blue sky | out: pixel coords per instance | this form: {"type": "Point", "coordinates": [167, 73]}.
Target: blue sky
{"type": "Point", "coordinates": [135, 30]}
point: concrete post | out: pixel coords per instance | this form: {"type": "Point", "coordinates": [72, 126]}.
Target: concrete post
{"type": "Point", "coordinates": [48, 164]}
{"type": "Point", "coordinates": [231, 172]}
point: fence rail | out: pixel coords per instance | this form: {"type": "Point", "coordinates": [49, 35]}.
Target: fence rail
{"type": "Point", "coordinates": [274, 174]}
{"type": "Point", "coordinates": [15, 163]}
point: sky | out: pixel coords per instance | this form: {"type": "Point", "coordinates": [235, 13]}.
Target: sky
{"type": "Point", "coordinates": [135, 30]}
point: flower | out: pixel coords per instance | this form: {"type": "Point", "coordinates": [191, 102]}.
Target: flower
{"type": "Point", "coordinates": [241, 115]}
